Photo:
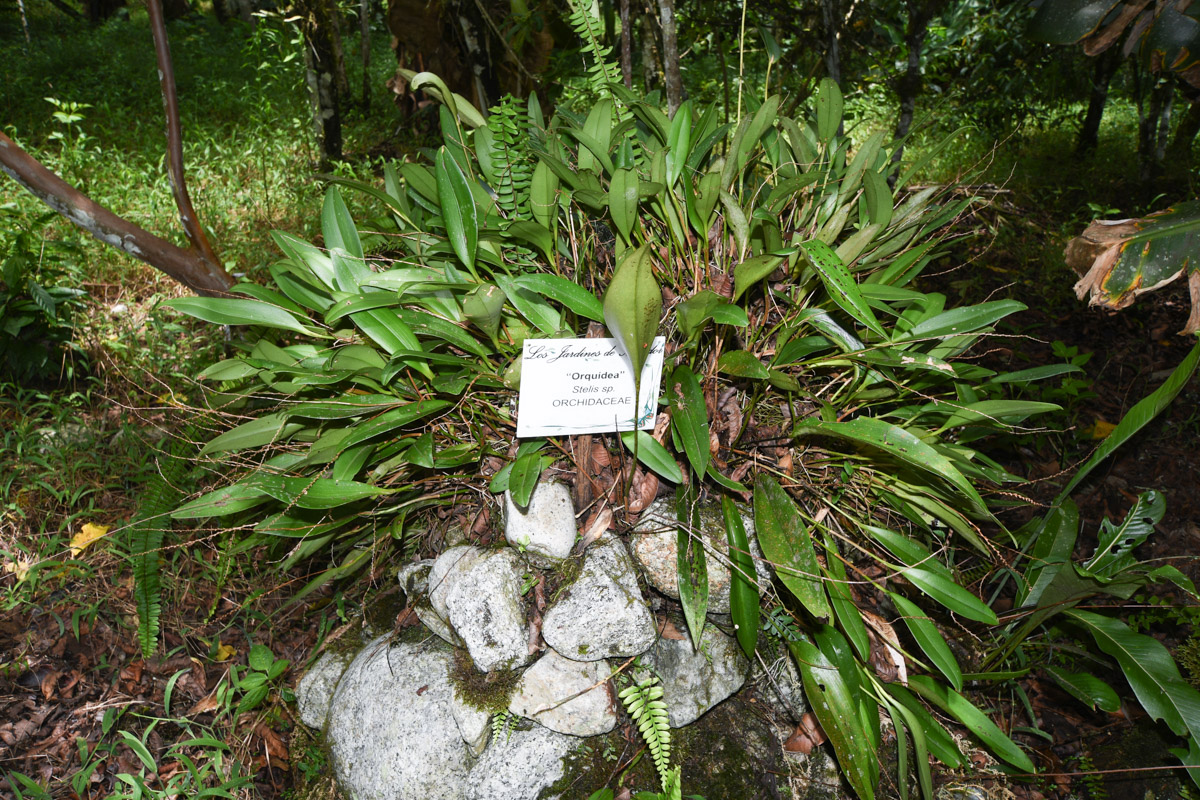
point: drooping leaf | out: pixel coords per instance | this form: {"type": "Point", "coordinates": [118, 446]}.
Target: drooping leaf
{"type": "Point", "coordinates": [976, 721]}
{"type": "Point", "coordinates": [929, 638]}
{"type": "Point", "coordinates": [787, 544]}
{"type": "Point", "coordinates": [743, 585]}
{"type": "Point", "coordinates": [689, 417]}
{"type": "Point", "coordinates": [1087, 689]}
{"type": "Point", "coordinates": [653, 455]}
{"type": "Point", "coordinates": [633, 306]}
{"type": "Point", "coordinates": [1114, 552]}
{"type": "Point", "coordinates": [265, 430]}
{"type": "Point", "coordinates": [239, 311]}
{"type": "Point", "coordinates": [753, 270]}
{"type": "Point", "coordinates": [836, 709]}
{"type": "Point", "coordinates": [691, 563]}
{"type": "Point", "coordinates": [561, 290]}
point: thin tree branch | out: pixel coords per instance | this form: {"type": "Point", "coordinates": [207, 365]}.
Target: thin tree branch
{"type": "Point", "coordinates": [166, 77]}
{"type": "Point", "coordinates": [184, 266]}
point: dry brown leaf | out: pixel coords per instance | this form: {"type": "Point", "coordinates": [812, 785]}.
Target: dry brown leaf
{"type": "Point", "coordinates": [645, 489]}
{"type": "Point", "coordinates": [599, 522]}
{"type": "Point", "coordinates": [204, 705]}
{"type": "Point", "coordinates": [807, 736]}
{"type": "Point", "coordinates": [668, 630]}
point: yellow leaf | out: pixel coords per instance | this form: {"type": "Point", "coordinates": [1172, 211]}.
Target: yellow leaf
{"type": "Point", "coordinates": [19, 568]}
{"type": "Point", "coordinates": [1100, 429]}
{"type": "Point", "coordinates": [86, 536]}
{"type": "Point", "coordinates": [225, 652]}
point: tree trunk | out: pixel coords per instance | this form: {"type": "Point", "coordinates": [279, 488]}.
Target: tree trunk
{"type": "Point", "coordinates": [674, 82]}
{"type": "Point", "coordinates": [1149, 130]}
{"type": "Point", "coordinates": [908, 86]}
{"type": "Point", "coordinates": [364, 30]}
{"type": "Point", "coordinates": [185, 266]}
{"type": "Point", "coordinates": [316, 25]}
{"type": "Point", "coordinates": [1106, 67]}
{"type": "Point", "coordinates": [650, 58]}
{"type": "Point", "coordinates": [831, 22]}
{"type": "Point", "coordinates": [1179, 152]}
{"type": "Point", "coordinates": [339, 53]}
{"type": "Point", "coordinates": [626, 46]}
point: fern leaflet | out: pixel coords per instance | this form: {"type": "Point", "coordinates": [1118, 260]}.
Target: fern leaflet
{"type": "Point", "coordinates": [644, 703]}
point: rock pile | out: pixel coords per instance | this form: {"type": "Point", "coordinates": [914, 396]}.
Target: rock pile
{"type": "Point", "coordinates": [413, 719]}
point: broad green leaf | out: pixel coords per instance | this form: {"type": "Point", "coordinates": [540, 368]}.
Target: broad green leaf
{"type": "Point", "coordinates": [976, 721]}
{"type": "Point", "coordinates": [561, 290]}
{"type": "Point", "coordinates": [840, 285]}
{"type": "Point", "coordinates": [337, 225]}
{"type": "Point", "coordinates": [393, 420]}
{"type": "Point", "coordinates": [929, 638]}
{"type": "Point", "coordinates": [836, 709]}
{"type": "Point", "coordinates": [689, 417]}
{"type": "Point", "coordinates": [743, 586]}
{"type": "Point", "coordinates": [1087, 689]}
{"type": "Point", "coordinates": [1138, 417]}
{"type": "Point", "coordinates": [633, 306]}
{"type": "Point", "coordinates": [1150, 670]}
{"type": "Point", "coordinates": [753, 270]}
{"type": "Point", "coordinates": [229, 370]}
{"type": "Point", "coordinates": [1001, 412]}
{"type": "Point", "coordinates": [679, 142]}
{"type": "Point", "coordinates": [543, 196]}
{"type": "Point", "coordinates": [523, 478]}
{"type": "Point", "coordinates": [482, 306]}
{"type": "Point", "coordinates": [623, 202]}
{"type": "Point", "coordinates": [966, 319]}
{"type": "Point", "coordinates": [900, 444]}
{"type": "Point", "coordinates": [787, 544]}
{"type": "Point", "coordinates": [735, 221]}
{"type": "Point", "coordinates": [879, 198]}
{"type": "Point", "coordinates": [829, 110]}
{"type": "Point", "coordinates": [653, 455]}
{"type": "Point", "coordinates": [221, 502]}
{"type": "Point", "coordinates": [532, 306]}
{"type": "Point", "coordinates": [703, 306]}
{"type": "Point", "coordinates": [841, 600]}
{"type": "Point", "coordinates": [239, 311]}
{"type": "Point", "coordinates": [944, 590]}
{"type": "Point", "coordinates": [1068, 21]}
{"type": "Point", "coordinates": [314, 493]}
{"type": "Point", "coordinates": [691, 565]}
{"type": "Point", "coordinates": [741, 364]}
{"type": "Point", "coordinates": [265, 430]}
{"type": "Point", "coordinates": [458, 208]}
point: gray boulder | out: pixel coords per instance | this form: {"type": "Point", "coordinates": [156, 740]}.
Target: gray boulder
{"type": "Point", "coordinates": [478, 594]}
{"type": "Point", "coordinates": [545, 530]}
{"type": "Point", "coordinates": [566, 696]}
{"type": "Point", "coordinates": [315, 689]}
{"type": "Point", "coordinates": [520, 767]}
{"type": "Point", "coordinates": [654, 547]}
{"type": "Point", "coordinates": [391, 728]}
{"type": "Point", "coordinates": [602, 614]}
{"type": "Point", "coordinates": [694, 681]}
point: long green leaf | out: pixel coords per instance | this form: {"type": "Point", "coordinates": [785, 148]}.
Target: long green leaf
{"type": "Point", "coordinates": [840, 285]}
{"type": "Point", "coordinates": [1087, 689]}
{"type": "Point", "coordinates": [239, 311]}
{"type": "Point", "coordinates": [898, 442]}
{"type": "Point", "coordinates": [265, 430]}
{"type": "Point", "coordinates": [561, 290]}
{"type": "Point", "coordinates": [689, 417]}
{"type": "Point", "coordinates": [787, 544]}
{"type": "Point", "coordinates": [458, 208]}
{"type": "Point", "coordinates": [976, 721]}
{"type": "Point", "coordinates": [836, 709]}
{"type": "Point", "coordinates": [633, 306]}
{"type": "Point", "coordinates": [337, 225]}
{"type": "Point", "coordinates": [1138, 417]}
{"type": "Point", "coordinates": [652, 455]}
{"type": "Point", "coordinates": [691, 565]}
{"type": "Point", "coordinates": [929, 638]}
{"type": "Point", "coordinates": [743, 586]}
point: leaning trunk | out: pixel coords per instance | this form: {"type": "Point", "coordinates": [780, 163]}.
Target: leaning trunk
{"type": "Point", "coordinates": [908, 87]}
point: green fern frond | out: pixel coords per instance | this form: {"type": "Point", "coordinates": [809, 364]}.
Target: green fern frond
{"type": "Point", "coordinates": [602, 72]}
{"type": "Point", "coordinates": [161, 495]}
{"type": "Point", "coordinates": [509, 168]}
{"type": "Point", "coordinates": [502, 725]}
{"type": "Point", "coordinates": [644, 703]}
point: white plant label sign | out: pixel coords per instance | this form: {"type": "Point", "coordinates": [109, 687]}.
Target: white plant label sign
{"type": "Point", "coordinates": [573, 386]}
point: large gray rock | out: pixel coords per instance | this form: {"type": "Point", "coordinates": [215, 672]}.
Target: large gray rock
{"type": "Point", "coordinates": [316, 688]}
{"type": "Point", "coordinates": [520, 767]}
{"type": "Point", "coordinates": [694, 681]}
{"type": "Point", "coordinates": [391, 727]}
{"type": "Point", "coordinates": [478, 593]}
{"type": "Point", "coordinates": [473, 724]}
{"type": "Point", "coordinates": [654, 547]}
{"type": "Point", "coordinates": [566, 696]}
{"type": "Point", "coordinates": [780, 683]}
{"type": "Point", "coordinates": [602, 614]}
{"type": "Point", "coordinates": [545, 530]}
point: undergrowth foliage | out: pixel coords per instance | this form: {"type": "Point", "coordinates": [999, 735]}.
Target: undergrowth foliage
{"type": "Point", "coordinates": [807, 375]}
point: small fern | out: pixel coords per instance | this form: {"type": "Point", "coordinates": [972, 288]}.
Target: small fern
{"type": "Point", "coordinates": [602, 73]}
{"type": "Point", "coordinates": [503, 724]}
{"type": "Point", "coordinates": [160, 497]}
{"type": "Point", "coordinates": [644, 703]}
{"type": "Point", "coordinates": [508, 164]}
